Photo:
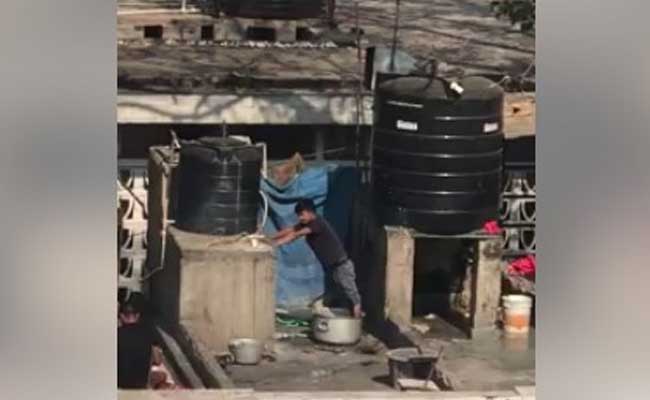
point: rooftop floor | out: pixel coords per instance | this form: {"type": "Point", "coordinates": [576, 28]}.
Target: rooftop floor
{"type": "Point", "coordinates": [463, 34]}
{"type": "Point", "coordinates": [196, 69]}
{"type": "Point", "coordinates": [301, 365]}
{"type": "Point", "coordinates": [487, 363]}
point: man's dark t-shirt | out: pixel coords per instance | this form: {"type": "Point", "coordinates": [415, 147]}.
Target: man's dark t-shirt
{"type": "Point", "coordinates": [134, 343]}
{"type": "Point", "coordinates": [324, 242]}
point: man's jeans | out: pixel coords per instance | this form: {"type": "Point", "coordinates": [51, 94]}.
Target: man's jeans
{"type": "Point", "coordinates": [345, 280]}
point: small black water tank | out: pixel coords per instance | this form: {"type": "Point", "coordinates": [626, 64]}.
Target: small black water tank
{"type": "Point", "coordinates": [274, 9]}
{"type": "Point", "coordinates": [438, 154]}
{"type": "Point", "coordinates": [219, 181]}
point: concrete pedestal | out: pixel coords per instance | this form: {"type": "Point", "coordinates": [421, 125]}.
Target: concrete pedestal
{"type": "Point", "coordinates": [476, 306]}
{"type": "Point", "coordinates": [400, 253]}
{"type": "Point", "coordinates": [216, 288]}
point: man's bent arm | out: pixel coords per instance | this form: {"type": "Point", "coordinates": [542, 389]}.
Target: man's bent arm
{"type": "Point", "coordinates": [292, 235]}
{"type": "Point", "coordinates": [284, 232]}
{"type": "Point", "coordinates": [302, 232]}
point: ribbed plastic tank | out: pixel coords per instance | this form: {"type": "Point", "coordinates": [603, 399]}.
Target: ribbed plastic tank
{"type": "Point", "coordinates": [219, 180]}
{"type": "Point", "coordinates": [438, 153]}
{"type": "Point", "coordinates": [274, 9]}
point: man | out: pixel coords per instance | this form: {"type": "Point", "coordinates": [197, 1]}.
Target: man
{"type": "Point", "coordinates": [135, 344]}
{"type": "Point", "coordinates": [327, 247]}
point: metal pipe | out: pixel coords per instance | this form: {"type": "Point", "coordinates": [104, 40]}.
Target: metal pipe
{"type": "Point", "coordinates": [395, 30]}
{"type": "Point", "coordinates": [357, 146]}
{"type": "Point", "coordinates": [266, 212]}
{"type": "Point", "coordinates": [265, 164]}
{"type": "Point", "coordinates": [319, 145]}
{"type": "Point", "coordinates": [224, 128]}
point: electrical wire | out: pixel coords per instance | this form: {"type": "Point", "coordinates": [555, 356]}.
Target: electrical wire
{"type": "Point", "coordinates": [330, 151]}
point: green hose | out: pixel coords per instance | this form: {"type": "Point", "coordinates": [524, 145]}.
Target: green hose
{"type": "Point", "coordinates": [291, 322]}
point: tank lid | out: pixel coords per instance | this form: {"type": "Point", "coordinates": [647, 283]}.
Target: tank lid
{"type": "Point", "coordinates": [473, 88]}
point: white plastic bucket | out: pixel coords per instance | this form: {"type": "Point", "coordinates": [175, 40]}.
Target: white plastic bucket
{"type": "Point", "coordinates": [516, 315]}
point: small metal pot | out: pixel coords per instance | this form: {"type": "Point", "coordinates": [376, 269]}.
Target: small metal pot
{"type": "Point", "coordinates": [340, 329]}
{"type": "Point", "coordinates": [246, 351]}
{"type": "Point", "coordinates": [411, 363]}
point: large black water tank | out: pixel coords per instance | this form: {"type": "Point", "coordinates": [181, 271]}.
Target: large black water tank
{"type": "Point", "coordinates": [276, 9]}
{"type": "Point", "coordinates": [438, 154]}
{"type": "Point", "coordinates": [219, 181]}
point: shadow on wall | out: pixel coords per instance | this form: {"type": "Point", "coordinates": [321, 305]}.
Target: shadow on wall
{"type": "Point", "coordinates": [368, 251]}
{"type": "Point", "coordinates": [233, 108]}
{"type": "Point", "coordinates": [343, 186]}
{"type": "Point", "coordinates": [439, 273]}
{"type": "Point", "coordinates": [165, 286]}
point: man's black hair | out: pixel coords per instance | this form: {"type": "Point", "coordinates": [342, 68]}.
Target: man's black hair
{"type": "Point", "coordinates": [305, 205]}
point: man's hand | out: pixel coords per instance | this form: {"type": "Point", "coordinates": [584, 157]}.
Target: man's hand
{"type": "Point", "coordinates": [357, 312]}
{"type": "Point", "coordinates": [156, 356]}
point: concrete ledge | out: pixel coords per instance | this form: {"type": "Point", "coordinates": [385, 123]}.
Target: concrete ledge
{"type": "Point", "coordinates": [288, 107]}
{"type": "Point", "coordinates": [180, 361]}
{"type": "Point", "coordinates": [243, 394]}
{"type": "Point", "coordinates": [252, 395]}
{"type": "Point", "coordinates": [526, 392]}
{"type": "Point", "coordinates": [211, 372]}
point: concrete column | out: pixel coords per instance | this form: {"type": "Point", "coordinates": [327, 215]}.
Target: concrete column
{"type": "Point", "coordinates": [400, 253]}
{"type": "Point", "coordinates": [486, 285]}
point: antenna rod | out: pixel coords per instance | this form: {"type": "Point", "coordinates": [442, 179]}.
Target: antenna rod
{"type": "Point", "coordinates": [395, 29]}
{"type": "Point", "coordinates": [357, 138]}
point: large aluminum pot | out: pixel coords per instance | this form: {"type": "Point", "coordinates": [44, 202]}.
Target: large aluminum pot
{"type": "Point", "coordinates": [339, 328]}
{"type": "Point", "coordinates": [246, 351]}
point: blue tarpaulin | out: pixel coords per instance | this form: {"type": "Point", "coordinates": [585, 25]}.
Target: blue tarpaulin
{"type": "Point", "coordinates": [300, 277]}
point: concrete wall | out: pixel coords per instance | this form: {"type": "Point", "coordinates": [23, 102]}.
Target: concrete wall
{"type": "Point", "coordinates": [257, 108]}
